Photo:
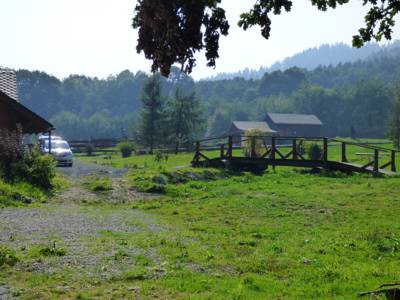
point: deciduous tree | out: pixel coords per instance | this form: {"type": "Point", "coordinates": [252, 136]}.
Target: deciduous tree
{"type": "Point", "coordinates": [173, 31]}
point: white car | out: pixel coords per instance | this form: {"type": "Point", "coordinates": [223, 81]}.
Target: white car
{"type": "Point", "coordinates": [61, 152]}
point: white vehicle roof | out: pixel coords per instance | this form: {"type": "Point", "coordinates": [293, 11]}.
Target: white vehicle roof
{"type": "Point", "coordinates": [57, 144]}
{"type": "Point", "coordinates": [53, 137]}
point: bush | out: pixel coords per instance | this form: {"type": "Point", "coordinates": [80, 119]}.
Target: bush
{"type": "Point", "coordinates": [126, 149]}
{"type": "Point", "coordinates": [34, 168]}
{"type": "Point", "coordinates": [159, 156]}
{"type": "Point", "coordinates": [98, 184]}
{"type": "Point", "coordinates": [259, 143]}
{"type": "Point", "coordinates": [52, 251]}
{"type": "Point", "coordinates": [7, 256]}
{"type": "Point", "coordinates": [314, 151]}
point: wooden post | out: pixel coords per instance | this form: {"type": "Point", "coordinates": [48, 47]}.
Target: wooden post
{"type": "Point", "coordinates": [253, 147]}
{"type": "Point", "coordinates": [393, 161]}
{"type": "Point", "coordinates": [222, 150]}
{"type": "Point", "coordinates": [344, 157]}
{"type": "Point", "coordinates": [273, 147]}
{"type": "Point", "coordinates": [294, 149]}
{"type": "Point", "coordinates": [325, 154]}
{"type": "Point", "coordinates": [376, 161]}
{"type": "Point", "coordinates": [197, 151]}
{"type": "Point", "coordinates": [230, 146]}
{"type": "Point", "coordinates": [50, 142]}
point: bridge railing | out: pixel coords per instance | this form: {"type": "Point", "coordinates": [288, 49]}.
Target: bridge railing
{"type": "Point", "coordinates": [292, 148]}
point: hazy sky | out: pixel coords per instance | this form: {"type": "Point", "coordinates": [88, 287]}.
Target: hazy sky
{"type": "Point", "coordinates": [95, 37]}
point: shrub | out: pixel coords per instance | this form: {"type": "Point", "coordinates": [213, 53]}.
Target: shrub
{"type": "Point", "coordinates": [52, 251]}
{"type": "Point", "coordinates": [259, 143]}
{"type": "Point", "coordinates": [159, 156]}
{"type": "Point", "coordinates": [314, 151]}
{"type": "Point", "coordinates": [126, 149]}
{"type": "Point", "coordinates": [7, 256]}
{"type": "Point", "coordinates": [34, 168]}
{"type": "Point", "coordinates": [98, 184]}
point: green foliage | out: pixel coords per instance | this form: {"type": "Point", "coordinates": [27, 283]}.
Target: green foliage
{"type": "Point", "coordinates": [394, 130]}
{"type": "Point", "coordinates": [34, 168]}
{"type": "Point", "coordinates": [185, 119]}
{"type": "Point", "coordinates": [19, 194]}
{"type": "Point", "coordinates": [151, 131]}
{"type": "Point", "coordinates": [159, 156]}
{"type": "Point", "coordinates": [314, 151]}
{"type": "Point", "coordinates": [7, 256]}
{"type": "Point", "coordinates": [358, 95]}
{"type": "Point", "coordinates": [98, 184]}
{"type": "Point", "coordinates": [126, 148]}
{"type": "Point", "coordinates": [185, 27]}
{"type": "Point", "coordinates": [256, 136]}
{"type": "Point", "coordinates": [52, 251]}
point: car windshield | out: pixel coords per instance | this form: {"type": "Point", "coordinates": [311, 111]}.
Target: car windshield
{"type": "Point", "coordinates": [57, 145]}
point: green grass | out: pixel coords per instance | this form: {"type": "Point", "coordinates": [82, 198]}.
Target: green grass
{"type": "Point", "coordinates": [98, 183]}
{"type": "Point", "coordinates": [287, 234]}
{"type": "Point", "coordinates": [19, 194]}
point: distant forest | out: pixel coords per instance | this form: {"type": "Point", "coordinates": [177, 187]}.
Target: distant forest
{"type": "Point", "coordinates": [343, 95]}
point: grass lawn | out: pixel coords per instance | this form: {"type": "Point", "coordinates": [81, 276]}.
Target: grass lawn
{"type": "Point", "coordinates": [287, 234]}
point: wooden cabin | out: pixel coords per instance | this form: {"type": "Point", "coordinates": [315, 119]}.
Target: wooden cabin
{"type": "Point", "coordinates": [12, 112]}
{"type": "Point", "coordinates": [295, 124]}
{"type": "Point", "coordinates": [238, 130]}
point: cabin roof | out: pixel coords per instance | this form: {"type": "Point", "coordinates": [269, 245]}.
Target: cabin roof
{"type": "Point", "coordinates": [247, 125]}
{"type": "Point", "coordinates": [8, 83]}
{"type": "Point", "coordinates": [12, 112]}
{"type": "Point", "coordinates": [294, 119]}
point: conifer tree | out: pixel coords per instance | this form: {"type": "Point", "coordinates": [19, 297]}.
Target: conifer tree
{"type": "Point", "coordinates": [185, 119]}
{"type": "Point", "coordinates": [150, 130]}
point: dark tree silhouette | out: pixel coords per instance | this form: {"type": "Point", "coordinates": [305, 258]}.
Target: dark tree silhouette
{"type": "Point", "coordinates": [173, 31]}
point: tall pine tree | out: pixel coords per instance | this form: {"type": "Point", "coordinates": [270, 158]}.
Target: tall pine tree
{"type": "Point", "coordinates": [152, 114]}
{"type": "Point", "coordinates": [185, 119]}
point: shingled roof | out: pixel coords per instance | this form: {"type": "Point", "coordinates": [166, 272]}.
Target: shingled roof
{"type": "Point", "coordinates": [8, 83]}
{"type": "Point", "coordinates": [294, 119]}
{"type": "Point", "coordinates": [12, 112]}
{"type": "Point", "coordinates": [246, 126]}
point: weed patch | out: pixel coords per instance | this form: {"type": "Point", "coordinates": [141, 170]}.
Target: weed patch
{"type": "Point", "coordinates": [98, 184]}
{"type": "Point", "coordinates": [7, 256]}
{"type": "Point", "coordinates": [52, 251]}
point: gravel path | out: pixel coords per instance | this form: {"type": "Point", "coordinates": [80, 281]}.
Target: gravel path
{"type": "Point", "coordinates": [76, 227]}
{"type": "Point", "coordinates": [81, 169]}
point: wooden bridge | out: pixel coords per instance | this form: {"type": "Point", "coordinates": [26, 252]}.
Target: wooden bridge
{"type": "Point", "coordinates": [336, 154]}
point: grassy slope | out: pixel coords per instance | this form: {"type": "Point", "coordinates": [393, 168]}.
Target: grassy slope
{"type": "Point", "coordinates": [14, 194]}
{"type": "Point", "coordinates": [283, 235]}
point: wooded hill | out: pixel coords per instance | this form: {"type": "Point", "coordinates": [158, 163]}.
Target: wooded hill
{"type": "Point", "coordinates": [358, 95]}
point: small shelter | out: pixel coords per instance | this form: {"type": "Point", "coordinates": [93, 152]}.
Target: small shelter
{"type": "Point", "coordinates": [13, 113]}
{"type": "Point", "coordinates": [238, 130]}
{"type": "Point", "coordinates": [293, 125]}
